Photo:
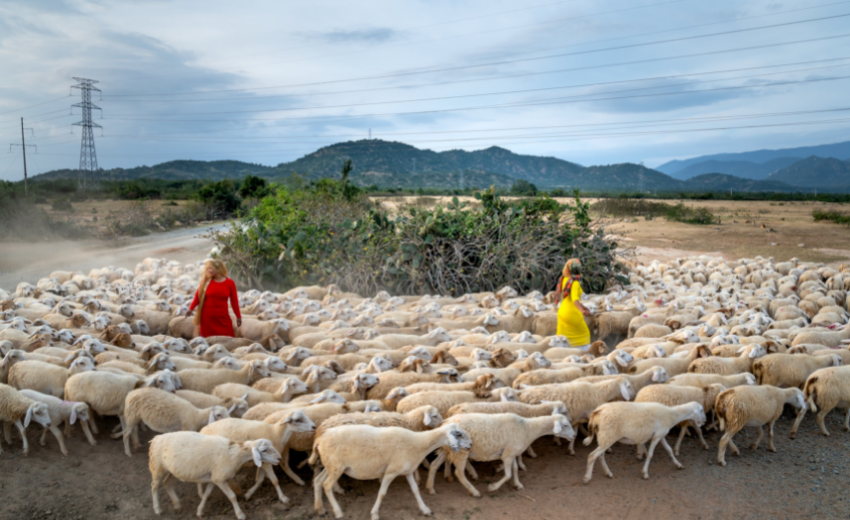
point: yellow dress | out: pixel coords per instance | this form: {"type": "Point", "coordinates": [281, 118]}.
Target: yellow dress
{"type": "Point", "coordinates": [570, 320]}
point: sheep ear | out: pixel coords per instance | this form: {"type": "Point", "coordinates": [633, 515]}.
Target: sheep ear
{"type": "Point", "coordinates": [28, 418]}
{"type": "Point", "coordinates": [505, 398]}
{"type": "Point", "coordinates": [620, 361]}
{"type": "Point", "coordinates": [427, 419]}
{"type": "Point", "coordinates": [654, 377]}
{"type": "Point", "coordinates": [151, 382]}
{"type": "Point", "coordinates": [625, 391]}
{"type": "Point", "coordinates": [73, 415]}
{"type": "Point", "coordinates": [318, 399]}
{"type": "Point", "coordinates": [558, 427]}
{"type": "Point", "coordinates": [229, 410]}
{"type": "Point", "coordinates": [212, 417]}
{"type": "Point", "coordinates": [258, 460]}
{"type": "Point", "coordinates": [356, 383]}
{"type": "Point", "coordinates": [244, 397]}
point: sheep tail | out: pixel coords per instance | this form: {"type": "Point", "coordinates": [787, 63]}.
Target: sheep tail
{"type": "Point", "coordinates": [592, 429]}
{"type": "Point", "coordinates": [720, 412]}
{"type": "Point", "coordinates": [811, 393]}
{"type": "Point", "coordinates": [314, 455]}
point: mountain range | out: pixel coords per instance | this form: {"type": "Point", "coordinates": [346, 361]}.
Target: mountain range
{"type": "Point", "coordinates": [756, 165]}
{"type": "Point", "coordinates": [398, 165]}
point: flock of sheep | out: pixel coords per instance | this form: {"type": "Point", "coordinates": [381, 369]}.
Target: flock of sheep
{"type": "Point", "coordinates": [370, 387]}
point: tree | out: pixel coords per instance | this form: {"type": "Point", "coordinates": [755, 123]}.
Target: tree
{"type": "Point", "coordinates": [254, 187]}
{"type": "Point", "coordinates": [523, 187]}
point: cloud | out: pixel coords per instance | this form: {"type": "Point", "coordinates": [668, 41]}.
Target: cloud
{"type": "Point", "coordinates": [371, 36]}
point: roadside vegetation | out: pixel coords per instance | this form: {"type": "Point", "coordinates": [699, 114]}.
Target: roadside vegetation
{"type": "Point", "coordinates": [621, 207]}
{"type": "Point", "coordinates": [831, 216]}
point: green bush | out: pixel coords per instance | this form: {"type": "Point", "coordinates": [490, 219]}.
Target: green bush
{"type": "Point", "coordinates": [254, 187]}
{"type": "Point", "coordinates": [633, 207]}
{"type": "Point", "coordinates": [220, 199]}
{"type": "Point", "coordinates": [327, 233]}
{"type": "Point", "coordinates": [831, 215]}
{"type": "Point", "coordinates": [523, 187]}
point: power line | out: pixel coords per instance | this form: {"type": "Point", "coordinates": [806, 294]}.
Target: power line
{"type": "Point", "coordinates": [495, 63]}
{"type": "Point", "coordinates": [31, 106]}
{"type": "Point", "coordinates": [511, 105]}
{"type": "Point", "coordinates": [522, 91]}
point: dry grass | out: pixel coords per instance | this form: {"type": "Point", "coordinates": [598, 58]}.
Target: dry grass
{"type": "Point", "coordinates": [94, 214]}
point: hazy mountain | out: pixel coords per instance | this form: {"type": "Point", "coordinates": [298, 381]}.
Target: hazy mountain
{"type": "Point", "coordinates": [724, 182]}
{"type": "Point", "coordinates": [172, 170]}
{"type": "Point", "coordinates": [835, 150]}
{"type": "Point", "coordinates": [743, 169]}
{"type": "Point", "coordinates": [815, 172]}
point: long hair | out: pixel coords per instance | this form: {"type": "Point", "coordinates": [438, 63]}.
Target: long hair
{"type": "Point", "coordinates": [571, 272]}
{"type": "Point", "coordinates": [205, 282]}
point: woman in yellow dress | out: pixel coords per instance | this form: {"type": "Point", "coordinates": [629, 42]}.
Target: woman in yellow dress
{"type": "Point", "coordinates": [571, 312]}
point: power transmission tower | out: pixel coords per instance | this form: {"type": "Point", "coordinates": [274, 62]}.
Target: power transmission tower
{"type": "Point", "coordinates": [88, 156]}
{"type": "Point", "coordinates": [23, 146]}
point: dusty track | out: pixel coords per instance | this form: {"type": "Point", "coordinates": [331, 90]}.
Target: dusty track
{"type": "Point", "coordinates": [807, 478]}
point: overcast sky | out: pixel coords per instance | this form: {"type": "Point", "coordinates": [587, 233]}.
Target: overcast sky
{"type": "Point", "coordinates": [594, 82]}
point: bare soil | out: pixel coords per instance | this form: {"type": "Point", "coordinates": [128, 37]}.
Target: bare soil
{"type": "Point", "coordinates": [807, 478]}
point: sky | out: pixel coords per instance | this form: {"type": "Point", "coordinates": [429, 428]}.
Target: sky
{"type": "Point", "coordinates": [589, 81]}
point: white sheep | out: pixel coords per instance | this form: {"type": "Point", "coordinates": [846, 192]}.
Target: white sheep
{"type": "Point", "coordinates": [205, 380]}
{"type": "Point", "coordinates": [504, 437]}
{"type": "Point", "coordinates": [286, 390]}
{"type": "Point", "coordinates": [279, 432]}
{"type": "Point", "coordinates": [164, 412]}
{"type": "Point", "coordinates": [636, 423]}
{"type": "Point", "coordinates": [205, 459]}
{"type": "Point", "coordinates": [754, 406]}
{"type": "Point", "coordinates": [46, 378]}
{"type": "Point", "coordinates": [365, 452]}
{"type": "Point", "coordinates": [728, 366]}
{"type": "Point", "coordinates": [674, 395]}
{"type": "Point", "coordinates": [828, 388]}
{"type": "Point", "coordinates": [20, 410]}
{"type": "Point", "coordinates": [60, 412]}
{"type": "Point", "coordinates": [790, 369]}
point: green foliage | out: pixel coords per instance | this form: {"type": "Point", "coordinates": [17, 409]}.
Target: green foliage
{"type": "Point", "coordinates": [254, 187]}
{"type": "Point", "coordinates": [220, 197]}
{"type": "Point", "coordinates": [318, 235]}
{"type": "Point", "coordinates": [523, 187]}
{"type": "Point", "coordinates": [832, 216]}
{"type": "Point", "coordinates": [631, 207]}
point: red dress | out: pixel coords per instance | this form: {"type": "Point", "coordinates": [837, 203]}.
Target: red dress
{"type": "Point", "coordinates": [215, 319]}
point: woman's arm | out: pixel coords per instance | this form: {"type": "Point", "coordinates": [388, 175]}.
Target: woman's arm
{"type": "Point", "coordinates": [234, 302]}
{"type": "Point", "coordinates": [582, 308]}
{"type": "Point", "coordinates": [194, 302]}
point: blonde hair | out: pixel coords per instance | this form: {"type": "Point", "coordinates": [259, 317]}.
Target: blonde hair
{"type": "Point", "coordinates": [219, 266]}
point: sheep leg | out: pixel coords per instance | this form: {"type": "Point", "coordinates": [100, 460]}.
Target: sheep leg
{"type": "Point", "coordinates": [516, 473]}
{"type": "Point", "coordinates": [415, 489]}
{"type": "Point", "coordinates": [519, 462]}
{"type": "Point", "coordinates": [23, 436]}
{"type": "Point", "coordinates": [284, 465]}
{"type": "Point", "coordinates": [168, 482]}
{"type": "Point", "coordinates": [87, 431]}
{"type": "Point", "coordinates": [126, 434]}
{"type": "Point", "coordinates": [847, 420]}
{"type": "Point", "coordinates": [682, 433]}
{"type": "Point", "coordinates": [318, 481]}
{"type": "Point", "coordinates": [670, 452]}
{"type": "Point", "coordinates": [770, 445]}
{"type": "Point", "coordinates": [204, 496]}
{"type": "Point", "coordinates": [604, 464]}
{"type": "Point", "coordinates": [755, 445]}
{"type": "Point", "coordinates": [797, 424]}
{"type": "Point", "coordinates": [385, 484]}
{"type": "Point", "coordinates": [232, 497]}
{"type": "Point", "coordinates": [328, 484]}
{"type": "Point", "coordinates": [701, 439]}
{"type": "Point", "coordinates": [260, 478]}
{"type": "Point", "coordinates": [591, 460]}
{"type": "Point", "coordinates": [7, 432]}
{"type": "Point", "coordinates": [721, 449]}
{"type": "Point", "coordinates": [821, 414]}
{"type": "Point", "coordinates": [200, 490]}
{"type": "Point", "coordinates": [530, 452]}
{"type": "Point", "coordinates": [649, 453]}
{"type": "Point", "coordinates": [509, 463]}
{"type": "Point", "coordinates": [471, 471]}
{"type": "Point", "coordinates": [157, 476]}
{"type": "Point", "coordinates": [58, 434]}
{"type": "Point", "coordinates": [269, 471]}
{"type": "Point", "coordinates": [571, 447]}
{"type": "Point", "coordinates": [460, 471]}
{"type": "Point", "coordinates": [432, 471]}
{"type": "Point", "coordinates": [93, 424]}
{"type": "Point", "coordinates": [641, 451]}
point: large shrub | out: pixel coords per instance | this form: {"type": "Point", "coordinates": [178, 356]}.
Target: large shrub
{"type": "Point", "coordinates": [330, 233]}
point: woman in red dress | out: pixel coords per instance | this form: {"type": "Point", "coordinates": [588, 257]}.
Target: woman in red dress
{"type": "Point", "coordinates": [213, 318]}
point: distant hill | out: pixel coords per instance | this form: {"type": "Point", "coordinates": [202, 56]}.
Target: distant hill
{"type": "Point", "coordinates": [398, 165]}
{"type": "Point", "coordinates": [815, 172]}
{"type": "Point", "coordinates": [743, 169]}
{"type": "Point", "coordinates": [836, 150]}
{"type": "Point", "coordinates": [724, 182]}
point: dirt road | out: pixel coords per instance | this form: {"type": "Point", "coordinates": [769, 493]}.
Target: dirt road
{"type": "Point", "coordinates": [27, 262]}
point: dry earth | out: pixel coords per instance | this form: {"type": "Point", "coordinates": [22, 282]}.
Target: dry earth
{"type": "Point", "coordinates": [807, 478]}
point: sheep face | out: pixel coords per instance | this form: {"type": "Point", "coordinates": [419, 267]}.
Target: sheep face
{"type": "Point", "coordinates": [364, 382]}
{"type": "Point", "coordinates": [797, 400]}
{"type": "Point", "coordinates": [293, 386]}
{"type": "Point", "coordinates": [623, 358]}
{"type": "Point", "coordinates": [82, 364]}
{"type": "Point", "coordinates": [328, 396]}
{"type": "Point", "coordinates": [626, 391]}
{"type": "Point", "coordinates": [563, 429]}
{"type": "Point", "coordinates": [79, 411]}
{"type": "Point", "coordinates": [275, 364]}
{"type": "Point", "coordinates": [298, 422]}
{"type": "Point", "coordinates": [64, 335]}
{"type": "Point", "coordinates": [263, 452]}
{"type": "Point", "coordinates": [164, 382]}
{"type": "Point", "coordinates": [382, 364]}
{"type": "Point", "coordinates": [458, 439]}
{"type": "Point", "coordinates": [297, 355]}
{"type": "Point", "coordinates": [37, 412]}
{"type": "Point", "coordinates": [432, 418]}
{"type": "Point", "coordinates": [397, 393]}
{"type": "Point", "coordinates": [608, 368]}
{"type": "Point", "coordinates": [218, 413]}
{"type": "Point", "coordinates": [659, 375]}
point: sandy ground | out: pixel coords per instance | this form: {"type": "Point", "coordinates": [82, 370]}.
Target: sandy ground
{"type": "Point", "coordinates": [27, 262]}
{"type": "Point", "coordinates": [807, 478]}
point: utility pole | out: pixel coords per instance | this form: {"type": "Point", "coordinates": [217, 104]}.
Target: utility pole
{"type": "Point", "coordinates": [23, 146]}
{"type": "Point", "coordinates": [88, 156]}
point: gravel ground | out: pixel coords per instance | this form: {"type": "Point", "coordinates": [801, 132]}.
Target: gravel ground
{"type": "Point", "coordinates": [807, 478]}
